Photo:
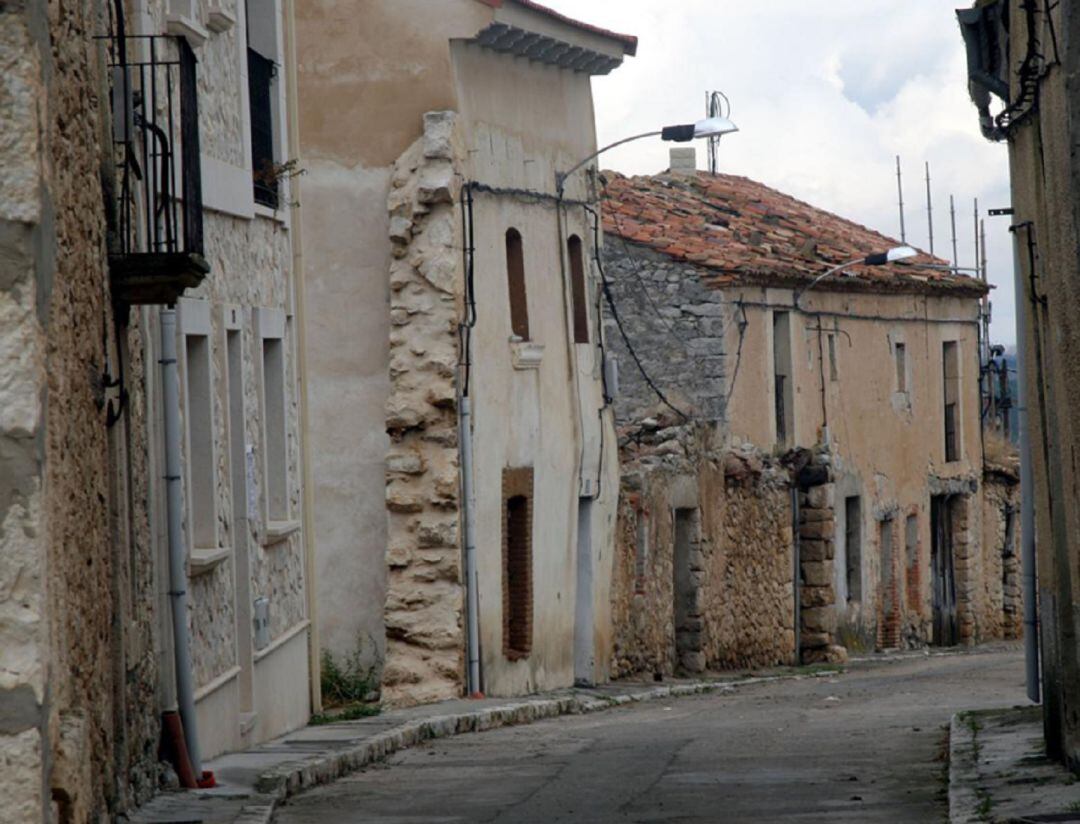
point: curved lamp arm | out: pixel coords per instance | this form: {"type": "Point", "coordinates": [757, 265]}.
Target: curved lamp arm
{"type": "Point", "coordinates": [683, 133]}
{"type": "Point", "coordinates": [876, 259]}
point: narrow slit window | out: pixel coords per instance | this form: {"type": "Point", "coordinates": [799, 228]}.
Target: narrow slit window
{"type": "Point", "coordinates": [951, 373]}
{"type": "Point", "coordinates": [783, 379]}
{"type": "Point", "coordinates": [515, 277]}
{"type": "Point", "coordinates": [579, 292]}
{"type": "Point", "coordinates": [853, 546]}
{"type": "Point", "coordinates": [900, 352]}
{"type": "Point", "coordinates": [200, 432]}
{"type": "Point", "coordinates": [833, 372]}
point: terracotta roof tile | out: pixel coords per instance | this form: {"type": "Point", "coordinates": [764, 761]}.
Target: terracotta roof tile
{"type": "Point", "coordinates": [744, 228]}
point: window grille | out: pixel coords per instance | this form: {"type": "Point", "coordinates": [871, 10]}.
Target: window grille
{"type": "Point", "coordinates": [261, 74]}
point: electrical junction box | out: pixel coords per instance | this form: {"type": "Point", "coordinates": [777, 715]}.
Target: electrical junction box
{"type": "Point", "coordinates": [611, 376]}
{"type": "Point", "coordinates": [261, 619]}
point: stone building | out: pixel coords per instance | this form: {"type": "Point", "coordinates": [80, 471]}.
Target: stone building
{"type": "Point", "coordinates": [822, 445]}
{"type": "Point", "coordinates": [144, 188]}
{"type": "Point", "coordinates": [431, 213]}
{"type": "Point", "coordinates": [1023, 60]}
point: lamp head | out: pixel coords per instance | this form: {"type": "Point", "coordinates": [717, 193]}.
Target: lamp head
{"type": "Point", "coordinates": [892, 255]}
{"type": "Point", "coordinates": [709, 127]}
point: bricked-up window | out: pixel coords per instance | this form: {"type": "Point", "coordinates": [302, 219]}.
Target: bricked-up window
{"type": "Point", "coordinates": [641, 556]}
{"type": "Point", "coordinates": [577, 287]}
{"type": "Point", "coordinates": [515, 279]}
{"type": "Point", "coordinates": [517, 562]}
{"type": "Point", "coordinates": [951, 371]}
{"type": "Point", "coordinates": [853, 546]}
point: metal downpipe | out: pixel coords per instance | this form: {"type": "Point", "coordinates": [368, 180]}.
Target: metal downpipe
{"type": "Point", "coordinates": [185, 690]}
{"type": "Point", "coordinates": [1027, 491]}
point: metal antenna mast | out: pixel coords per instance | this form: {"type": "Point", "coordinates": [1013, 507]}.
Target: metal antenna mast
{"type": "Point", "coordinates": [716, 105]}
{"type": "Point", "coordinates": [929, 209]}
{"type": "Point", "coordinates": [952, 222]}
{"type": "Point", "coordinates": [900, 195]}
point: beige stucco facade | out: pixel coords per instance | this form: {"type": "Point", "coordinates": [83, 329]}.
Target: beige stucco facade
{"type": "Point", "coordinates": [401, 140]}
{"type": "Point", "coordinates": [888, 438]}
{"type": "Point", "coordinates": [1042, 134]}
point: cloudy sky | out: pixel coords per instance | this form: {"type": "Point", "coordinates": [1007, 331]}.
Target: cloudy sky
{"type": "Point", "coordinates": [825, 95]}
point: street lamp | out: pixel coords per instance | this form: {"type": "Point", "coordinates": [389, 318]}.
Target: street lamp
{"type": "Point", "coordinates": [684, 133]}
{"type": "Point", "coordinates": [876, 259]}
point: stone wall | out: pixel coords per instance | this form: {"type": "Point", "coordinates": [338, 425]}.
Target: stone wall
{"type": "Point", "coordinates": [818, 641]}
{"type": "Point", "coordinates": [78, 730]}
{"type": "Point", "coordinates": [741, 609]}
{"type": "Point", "coordinates": [1000, 603]}
{"type": "Point", "coordinates": [425, 599]}
{"type": "Point", "coordinates": [676, 325]}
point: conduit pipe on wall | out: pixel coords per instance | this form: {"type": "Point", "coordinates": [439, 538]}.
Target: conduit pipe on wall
{"type": "Point", "coordinates": [468, 495]}
{"type": "Point", "coordinates": [472, 583]}
{"type": "Point", "coordinates": [1027, 490]}
{"type": "Point", "coordinates": [170, 396]}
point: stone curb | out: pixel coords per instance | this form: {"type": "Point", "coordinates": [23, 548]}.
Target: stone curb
{"type": "Point", "coordinates": [289, 779]}
{"type": "Point", "coordinates": [963, 772]}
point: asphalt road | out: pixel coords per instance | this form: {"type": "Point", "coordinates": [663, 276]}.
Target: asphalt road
{"type": "Point", "coordinates": [863, 746]}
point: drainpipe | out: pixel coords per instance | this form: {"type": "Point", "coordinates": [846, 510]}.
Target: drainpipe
{"type": "Point", "coordinates": [307, 498]}
{"type": "Point", "coordinates": [472, 614]}
{"type": "Point", "coordinates": [1027, 490]}
{"type": "Point", "coordinates": [185, 691]}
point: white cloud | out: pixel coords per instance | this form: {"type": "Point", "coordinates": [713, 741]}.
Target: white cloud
{"type": "Point", "coordinates": [825, 94]}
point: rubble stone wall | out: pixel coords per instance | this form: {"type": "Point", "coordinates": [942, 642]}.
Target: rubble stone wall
{"type": "Point", "coordinates": [741, 564]}
{"type": "Point", "coordinates": [677, 326]}
{"type": "Point", "coordinates": [425, 600]}
{"type": "Point", "coordinates": [999, 605]}
{"type": "Point", "coordinates": [74, 745]}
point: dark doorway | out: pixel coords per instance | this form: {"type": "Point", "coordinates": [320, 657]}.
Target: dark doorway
{"type": "Point", "coordinates": [943, 581]}
{"type": "Point", "coordinates": [687, 572]}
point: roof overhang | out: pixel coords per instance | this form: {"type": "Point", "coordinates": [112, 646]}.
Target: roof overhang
{"type": "Point", "coordinates": [525, 29]}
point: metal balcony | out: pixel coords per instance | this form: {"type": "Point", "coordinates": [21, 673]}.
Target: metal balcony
{"type": "Point", "coordinates": [156, 232]}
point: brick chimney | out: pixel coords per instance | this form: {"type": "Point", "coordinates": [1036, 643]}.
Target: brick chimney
{"type": "Point", "coordinates": [683, 160]}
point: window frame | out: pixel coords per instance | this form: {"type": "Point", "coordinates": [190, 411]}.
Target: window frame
{"type": "Point", "coordinates": [271, 325]}
{"type": "Point", "coordinates": [516, 283]}
{"type": "Point", "coordinates": [200, 429]}
{"type": "Point", "coordinates": [579, 288]}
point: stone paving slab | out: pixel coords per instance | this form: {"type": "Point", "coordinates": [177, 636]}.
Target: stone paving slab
{"type": "Point", "coordinates": [999, 771]}
{"type": "Point", "coordinates": [253, 782]}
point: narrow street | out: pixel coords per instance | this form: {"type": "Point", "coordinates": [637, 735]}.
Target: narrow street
{"type": "Point", "coordinates": [861, 746]}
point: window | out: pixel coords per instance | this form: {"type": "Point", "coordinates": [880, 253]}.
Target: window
{"type": "Point", "coordinates": [900, 354]}
{"type": "Point", "coordinates": [833, 372]}
{"type": "Point", "coordinates": [276, 465]}
{"type": "Point", "coordinates": [517, 562]}
{"type": "Point", "coordinates": [193, 319]}
{"type": "Point", "coordinates": [578, 290]}
{"type": "Point", "coordinates": [784, 404]}
{"type": "Point", "coordinates": [951, 372]}
{"type": "Point", "coordinates": [262, 53]}
{"type": "Point", "coordinates": [199, 405]}
{"type": "Point", "coordinates": [853, 546]}
{"type": "Point", "coordinates": [515, 277]}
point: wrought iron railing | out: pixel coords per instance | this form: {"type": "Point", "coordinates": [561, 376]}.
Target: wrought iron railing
{"type": "Point", "coordinates": [156, 223]}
